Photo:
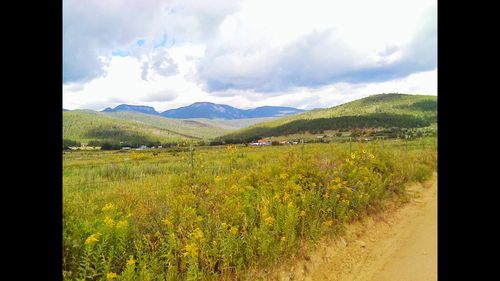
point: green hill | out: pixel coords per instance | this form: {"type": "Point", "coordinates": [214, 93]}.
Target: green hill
{"type": "Point", "coordinates": [128, 127]}
{"type": "Point", "coordinates": [377, 111]}
{"type": "Point", "coordinates": [198, 129]}
{"type": "Point", "coordinates": [136, 128]}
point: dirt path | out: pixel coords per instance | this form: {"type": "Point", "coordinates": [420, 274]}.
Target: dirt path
{"type": "Point", "coordinates": [400, 245]}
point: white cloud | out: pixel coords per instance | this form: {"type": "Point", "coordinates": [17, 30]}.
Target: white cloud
{"type": "Point", "coordinates": [272, 45]}
{"type": "Point", "coordinates": [245, 53]}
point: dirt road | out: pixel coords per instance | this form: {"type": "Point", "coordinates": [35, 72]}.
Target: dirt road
{"type": "Point", "coordinates": [400, 244]}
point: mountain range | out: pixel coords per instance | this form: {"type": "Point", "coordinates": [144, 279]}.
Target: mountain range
{"type": "Point", "coordinates": [143, 125]}
{"type": "Point", "coordinates": [210, 111]}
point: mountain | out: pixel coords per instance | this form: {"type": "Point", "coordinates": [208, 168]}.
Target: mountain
{"type": "Point", "coordinates": [204, 110]}
{"type": "Point", "coordinates": [376, 111]}
{"type": "Point", "coordinates": [271, 111]}
{"type": "Point", "coordinates": [65, 110]}
{"type": "Point", "coordinates": [221, 111]}
{"type": "Point", "coordinates": [209, 110]}
{"type": "Point", "coordinates": [136, 108]}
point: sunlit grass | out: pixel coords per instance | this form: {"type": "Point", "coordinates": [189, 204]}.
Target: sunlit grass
{"type": "Point", "coordinates": [151, 215]}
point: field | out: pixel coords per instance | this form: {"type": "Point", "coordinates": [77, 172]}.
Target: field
{"type": "Point", "coordinates": [215, 212]}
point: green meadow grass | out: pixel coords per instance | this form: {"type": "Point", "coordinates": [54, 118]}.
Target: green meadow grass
{"type": "Point", "coordinates": [212, 213]}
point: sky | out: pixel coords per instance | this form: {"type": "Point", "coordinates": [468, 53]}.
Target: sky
{"type": "Point", "coordinates": [245, 53]}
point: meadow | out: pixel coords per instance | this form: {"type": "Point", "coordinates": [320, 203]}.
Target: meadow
{"type": "Point", "coordinates": [212, 213]}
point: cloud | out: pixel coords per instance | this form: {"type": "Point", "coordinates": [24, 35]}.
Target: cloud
{"type": "Point", "coordinates": [161, 96]}
{"type": "Point", "coordinates": [249, 53]}
{"type": "Point", "coordinates": [94, 29]}
{"type": "Point", "coordinates": [246, 53]}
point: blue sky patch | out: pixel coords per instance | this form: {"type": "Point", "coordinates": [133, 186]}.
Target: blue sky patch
{"type": "Point", "coordinates": [120, 53]}
{"type": "Point", "coordinates": [141, 42]}
{"type": "Point", "coordinates": [162, 42]}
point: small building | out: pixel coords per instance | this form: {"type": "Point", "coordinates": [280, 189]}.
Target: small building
{"type": "Point", "coordinates": [126, 148]}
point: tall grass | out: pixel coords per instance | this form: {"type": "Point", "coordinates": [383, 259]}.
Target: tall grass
{"type": "Point", "coordinates": [154, 217]}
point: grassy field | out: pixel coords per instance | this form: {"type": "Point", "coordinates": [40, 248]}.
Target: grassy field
{"type": "Point", "coordinates": [212, 213]}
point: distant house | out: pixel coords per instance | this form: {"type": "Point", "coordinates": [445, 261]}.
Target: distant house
{"type": "Point", "coordinates": [260, 142]}
{"type": "Point", "coordinates": [264, 142]}
{"type": "Point", "coordinates": [126, 148]}
{"type": "Point", "coordinates": [160, 146]}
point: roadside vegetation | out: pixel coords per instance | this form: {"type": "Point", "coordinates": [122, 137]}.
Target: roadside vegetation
{"type": "Point", "coordinates": [212, 213]}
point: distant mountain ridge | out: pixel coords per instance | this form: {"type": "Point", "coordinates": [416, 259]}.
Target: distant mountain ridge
{"type": "Point", "coordinates": [211, 111]}
{"type": "Point", "coordinates": [128, 107]}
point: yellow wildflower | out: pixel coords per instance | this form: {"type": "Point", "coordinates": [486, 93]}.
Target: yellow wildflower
{"type": "Point", "coordinates": [108, 207]}
{"type": "Point", "coordinates": [223, 225]}
{"type": "Point", "coordinates": [302, 213]}
{"type": "Point", "coordinates": [326, 195]}
{"type": "Point", "coordinates": [198, 234]}
{"type": "Point", "coordinates": [353, 156]}
{"type": "Point", "coordinates": [131, 261]}
{"type": "Point", "coordinates": [111, 275]}
{"type": "Point", "coordinates": [217, 178]}
{"type": "Point", "coordinates": [190, 249]}
{"type": "Point", "coordinates": [286, 196]}
{"type": "Point", "coordinates": [122, 224]}
{"type": "Point", "coordinates": [283, 238]}
{"type": "Point", "coordinates": [199, 218]}
{"type": "Point", "coordinates": [167, 222]}
{"type": "Point", "coordinates": [290, 205]}
{"type": "Point", "coordinates": [269, 220]}
{"type": "Point", "coordinates": [234, 230]}
{"type": "Point", "coordinates": [109, 222]}
{"type": "Point", "coordinates": [92, 238]}
{"type": "Point", "coordinates": [328, 223]}
{"type": "Point", "coordinates": [283, 176]}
